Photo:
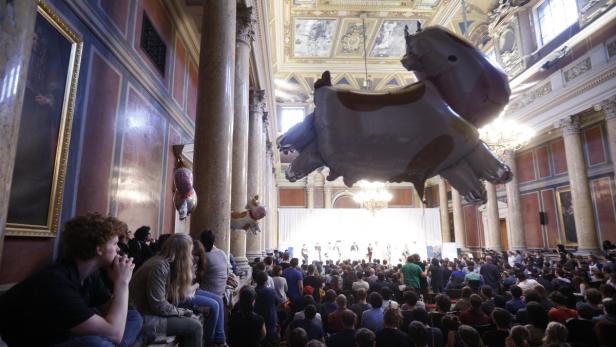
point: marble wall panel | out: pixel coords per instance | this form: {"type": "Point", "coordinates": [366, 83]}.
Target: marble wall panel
{"type": "Point", "coordinates": [543, 161]}
{"type": "Point", "coordinates": [401, 197]}
{"type": "Point", "coordinates": [471, 226]}
{"type": "Point", "coordinates": [593, 144]}
{"type": "Point", "coordinates": [140, 177]}
{"type": "Point", "coordinates": [24, 256]}
{"type": "Point", "coordinates": [179, 72]}
{"type": "Point", "coordinates": [117, 11]}
{"type": "Point", "coordinates": [551, 216]}
{"type": "Point", "coordinates": [529, 204]}
{"type": "Point", "coordinates": [559, 161]}
{"type": "Point", "coordinates": [603, 197]}
{"type": "Point", "coordinates": [289, 197]}
{"type": "Point", "coordinates": [99, 136]}
{"type": "Point", "coordinates": [193, 82]}
{"type": "Point", "coordinates": [525, 167]}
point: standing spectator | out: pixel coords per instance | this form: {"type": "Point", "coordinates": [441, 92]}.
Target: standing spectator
{"type": "Point", "coordinates": [60, 303]}
{"type": "Point", "coordinates": [581, 333]}
{"type": "Point", "coordinates": [443, 305]}
{"type": "Point", "coordinates": [334, 320]}
{"type": "Point", "coordinates": [418, 334]}
{"type": "Point", "coordinates": [519, 337]}
{"type": "Point", "coordinates": [280, 283]}
{"type": "Point", "coordinates": [329, 305]}
{"type": "Point", "coordinates": [524, 282]}
{"type": "Point", "coordinates": [312, 279]}
{"type": "Point", "coordinates": [464, 302]}
{"type": "Point", "coordinates": [313, 329]}
{"type": "Point", "coordinates": [537, 322]}
{"type": "Point", "coordinates": [435, 272]}
{"type": "Point", "coordinates": [246, 328]}
{"type": "Point", "coordinates": [516, 301]}
{"type": "Point", "coordinates": [373, 318]}
{"type": "Point", "coordinates": [474, 315]}
{"type": "Point", "coordinates": [560, 313]}
{"type": "Point", "coordinates": [346, 337]}
{"type": "Point", "coordinates": [361, 283]}
{"type": "Point", "coordinates": [555, 335]}
{"type": "Point", "coordinates": [297, 338]}
{"type": "Point", "coordinates": [360, 306]}
{"type": "Point", "coordinates": [435, 336]}
{"type": "Point", "coordinates": [365, 338]}
{"type": "Point", "coordinates": [411, 273]}
{"type": "Point", "coordinates": [491, 274]}
{"type": "Point", "coordinates": [217, 271]}
{"type": "Point", "coordinates": [266, 303]}
{"type": "Point", "coordinates": [295, 283]}
{"type": "Point", "coordinates": [390, 335]}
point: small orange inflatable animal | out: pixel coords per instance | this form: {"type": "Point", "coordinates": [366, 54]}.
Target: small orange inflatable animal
{"type": "Point", "coordinates": [247, 220]}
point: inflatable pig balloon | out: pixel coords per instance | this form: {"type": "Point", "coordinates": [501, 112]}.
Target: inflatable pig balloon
{"type": "Point", "coordinates": [184, 196]}
{"type": "Point", "coordinates": [409, 134]}
{"type": "Point", "coordinates": [248, 219]}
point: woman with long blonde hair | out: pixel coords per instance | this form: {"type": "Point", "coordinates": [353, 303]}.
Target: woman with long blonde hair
{"type": "Point", "coordinates": [161, 285]}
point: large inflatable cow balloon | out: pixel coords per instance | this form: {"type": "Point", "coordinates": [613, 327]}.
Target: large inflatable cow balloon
{"type": "Point", "coordinates": [412, 133]}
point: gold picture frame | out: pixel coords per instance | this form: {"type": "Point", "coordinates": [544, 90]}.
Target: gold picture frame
{"type": "Point", "coordinates": [49, 101]}
{"type": "Point", "coordinates": [565, 215]}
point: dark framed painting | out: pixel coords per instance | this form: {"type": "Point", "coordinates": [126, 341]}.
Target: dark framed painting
{"type": "Point", "coordinates": [45, 129]}
{"type": "Point", "coordinates": [565, 213]}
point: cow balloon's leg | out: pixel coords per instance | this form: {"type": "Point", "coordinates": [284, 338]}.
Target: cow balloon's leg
{"type": "Point", "coordinates": [487, 166]}
{"type": "Point", "coordinates": [462, 178]}
{"type": "Point", "coordinates": [307, 161]}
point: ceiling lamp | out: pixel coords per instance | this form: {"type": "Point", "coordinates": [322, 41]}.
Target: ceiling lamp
{"type": "Point", "coordinates": [505, 134]}
{"type": "Point", "coordinates": [372, 195]}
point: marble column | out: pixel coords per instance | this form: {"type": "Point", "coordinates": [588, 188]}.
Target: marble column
{"type": "Point", "coordinates": [16, 27]}
{"type": "Point", "coordinates": [310, 190]}
{"type": "Point", "coordinates": [444, 209]}
{"type": "Point", "coordinates": [515, 226]}
{"type": "Point", "coordinates": [493, 237]}
{"type": "Point", "coordinates": [458, 219]}
{"type": "Point", "coordinates": [328, 196]}
{"type": "Point", "coordinates": [580, 191]}
{"type": "Point", "coordinates": [269, 244]}
{"type": "Point", "coordinates": [239, 195]}
{"type": "Point", "coordinates": [214, 123]}
{"type": "Point", "coordinates": [265, 143]}
{"type": "Point", "coordinates": [255, 160]}
{"type": "Point", "coordinates": [609, 110]}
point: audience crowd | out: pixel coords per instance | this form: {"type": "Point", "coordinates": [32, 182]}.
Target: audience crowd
{"type": "Point", "coordinates": [109, 289]}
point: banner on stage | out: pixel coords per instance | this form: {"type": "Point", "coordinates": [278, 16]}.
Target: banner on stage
{"type": "Point", "coordinates": [434, 251]}
{"type": "Point", "coordinates": [449, 250]}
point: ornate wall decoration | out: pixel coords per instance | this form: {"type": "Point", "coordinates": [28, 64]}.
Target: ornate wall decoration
{"type": "Point", "coordinates": [577, 70]}
{"type": "Point", "coordinates": [389, 41]}
{"type": "Point", "coordinates": [529, 97]}
{"type": "Point", "coordinates": [591, 9]}
{"type": "Point", "coordinates": [507, 47]}
{"type": "Point", "coordinates": [611, 49]}
{"type": "Point", "coordinates": [351, 42]}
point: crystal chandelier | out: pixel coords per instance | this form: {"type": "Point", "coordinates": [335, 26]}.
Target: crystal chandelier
{"type": "Point", "coordinates": [372, 195]}
{"type": "Point", "coordinates": [505, 134]}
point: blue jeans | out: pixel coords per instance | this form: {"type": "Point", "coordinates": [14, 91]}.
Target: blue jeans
{"type": "Point", "coordinates": [131, 332]}
{"type": "Point", "coordinates": [214, 328]}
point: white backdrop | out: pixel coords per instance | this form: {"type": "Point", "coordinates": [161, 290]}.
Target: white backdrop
{"type": "Point", "coordinates": [414, 228]}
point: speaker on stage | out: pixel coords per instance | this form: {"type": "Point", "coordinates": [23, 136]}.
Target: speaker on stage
{"type": "Point", "coordinates": [542, 218]}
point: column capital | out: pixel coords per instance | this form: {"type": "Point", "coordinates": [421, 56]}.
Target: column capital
{"type": "Point", "coordinates": [609, 108]}
{"type": "Point", "coordinates": [569, 125]}
{"type": "Point", "coordinates": [245, 24]}
{"type": "Point", "coordinates": [257, 101]}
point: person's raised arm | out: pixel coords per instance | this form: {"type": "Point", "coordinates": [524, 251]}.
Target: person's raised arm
{"type": "Point", "coordinates": [112, 325]}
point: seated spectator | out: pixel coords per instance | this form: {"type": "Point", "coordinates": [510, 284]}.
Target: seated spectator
{"type": "Point", "coordinates": [297, 338]}
{"type": "Point", "coordinates": [312, 328]}
{"type": "Point", "coordinates": [524, 282]}
{"type": "Point", "coordinates": [140, 247]}
{"type": "Point", "coordinates": [516, 302]}
{"type": "Point", "coordinates": [450, 325]}
{"type": "Point", "coordinates": [541, 291]}
{"type": "Point", "coordinates": [443, 304]}
{"type": "Point", "coordinates": [487, 294]}
{"type": "Point", "coordinates": [365, 338]}
{"type": "Point", "coordinates": [537, 322]}
{"type": "Point", "coordinates": [59, 304]}
{"type": "Point", "coordinates": [464, 302]}
{"type": "Point", "coordinates": [555, 335]}
{"type": "Point", "coordinates": [390, 335]}
{"type": "Point", "coordinates": [519, 337]}
{"type": "Point", "coordinates": [435, 336]}
{"type": "Point", "coordinates": [266, 305]}
{"type": "Point", "coordinates": [161, 285]}
{"type": "Point", "coordinates": [373, 318]}
{"type": "Point", "coordinates": [560, 313]}
{"type": "Point", "coordinates": [474, 315]}
{"type": "Point", "coordinates": [410, 301]}
{"type": "Point", "coordinates": [604, 330]}
{"type": "Point", "coordinates": [314, 280]}
{"type": "Point", "coordinates": [521, 316]}
{"type": "Point", "coordinates": [418, 334]}
{"type": "Point", "coordinates": [386, 293]}
{"type": "Point", "coordinates": [334, 320]}
{"type": "Point", "coordinates": [581, 328]}
{"type": "Point", "coordinates": [346, 337]}
{"type": "Point", "coordinates": [456, 280]}
{"type": "Point", "coordinates": [473, 279]}
{"type": "Point", "coordinates": [246, 328]}
{"type": "Point", "coordinates": [560, 280]}
{"type": "Point", "coordinates": [468, 336]}
{"type": "Point", "coordinates": [502, 320]}
{"type": "Point", "coordinates": [360, 306]}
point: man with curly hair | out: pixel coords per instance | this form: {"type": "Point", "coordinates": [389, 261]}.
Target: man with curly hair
{"type": "Point", "coordinates": [67, 304]}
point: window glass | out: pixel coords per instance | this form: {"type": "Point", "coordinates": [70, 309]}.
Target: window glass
{"type": "Point", "coordinates": [289, 117]}
{"type": "Point", "coordinates": [554, 16]}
